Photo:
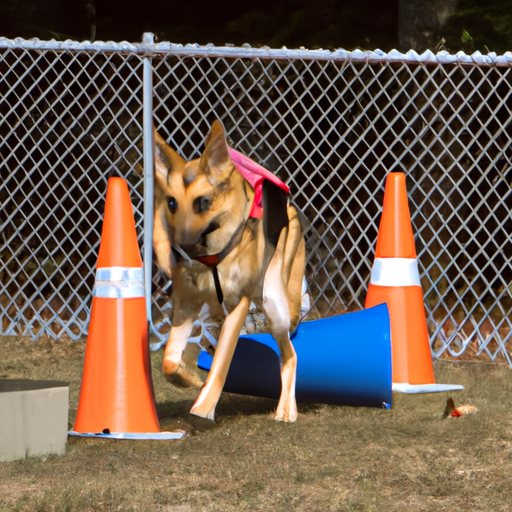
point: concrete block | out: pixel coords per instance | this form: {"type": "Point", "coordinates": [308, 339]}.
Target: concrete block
{"type": "Point", "coordinates": [33, 418]}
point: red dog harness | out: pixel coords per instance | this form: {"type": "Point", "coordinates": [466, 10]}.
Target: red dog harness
{"type": "Point", "coordinates": [255, 174]}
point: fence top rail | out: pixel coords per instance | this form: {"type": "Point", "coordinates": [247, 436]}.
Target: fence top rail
{"type": "Point", "coordinates": [149, 47]}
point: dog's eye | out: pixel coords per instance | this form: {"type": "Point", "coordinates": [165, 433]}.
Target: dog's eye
{"type": "Point", "coordinates": [172, 204]}
{"type": "Point", "coordinates": [202, 204]}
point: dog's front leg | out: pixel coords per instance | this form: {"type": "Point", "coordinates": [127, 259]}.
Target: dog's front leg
{"type": "Point", "coordinates": [205, 404]}
{"type": "Point", "coordinates": [173, 367]}
{"type": "Point", "coordinates": [174, 370]}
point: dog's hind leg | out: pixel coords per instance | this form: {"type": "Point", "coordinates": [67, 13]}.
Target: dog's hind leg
{"type": "Point", "coordinates": [209, 395]}
{"type": "Point", "coordinates": [277, 310]}
{"type": "Point", "coordinates": [294, 262]}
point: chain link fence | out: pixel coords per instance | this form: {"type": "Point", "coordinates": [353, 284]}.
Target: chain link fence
{"type": "Point", "coordinates": [331, 124]}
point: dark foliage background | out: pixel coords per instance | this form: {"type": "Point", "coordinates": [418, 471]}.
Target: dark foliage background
{"type": "Point", "coordinates": [453, 25]}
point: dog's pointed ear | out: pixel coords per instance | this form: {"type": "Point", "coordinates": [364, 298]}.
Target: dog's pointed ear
{"type": "Point", "coordinates": [215, 160]}
{"type": "Point", "coordinates": [167, 161]}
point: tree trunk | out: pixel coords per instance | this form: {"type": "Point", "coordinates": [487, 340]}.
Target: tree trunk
{"type": "Point", "coordinates": [420, 23]}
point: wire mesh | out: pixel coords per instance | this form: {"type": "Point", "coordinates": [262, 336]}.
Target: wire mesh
{"type": "Point", "coordinates": [331, 126]}
{"type": "Point", "coordinates": [70, 119]}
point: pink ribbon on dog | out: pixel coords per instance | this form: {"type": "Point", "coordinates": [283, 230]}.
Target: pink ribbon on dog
{"type": "Point", "coordinates": [255, 174]}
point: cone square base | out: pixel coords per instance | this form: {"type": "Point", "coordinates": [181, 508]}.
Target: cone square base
{"type": "Point", "coordinates": [400, 387]}
{"type": "Point", "coordinates": [153, 436]}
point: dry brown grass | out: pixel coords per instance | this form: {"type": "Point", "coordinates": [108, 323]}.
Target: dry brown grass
{"type": "Point", "coordinates": [332, 459]}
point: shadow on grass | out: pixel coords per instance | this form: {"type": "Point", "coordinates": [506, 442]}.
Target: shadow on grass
{"type": "Point", "coordinates": [176, 414]}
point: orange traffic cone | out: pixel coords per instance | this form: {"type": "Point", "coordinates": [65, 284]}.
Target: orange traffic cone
{"type": "Point", "coordinates": [116, 396]}
{"type": "Point", "coordinates": [395, 281]}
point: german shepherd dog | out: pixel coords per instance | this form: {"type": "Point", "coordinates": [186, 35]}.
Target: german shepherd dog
{"type": "Point", "coordinates": [216, 253]}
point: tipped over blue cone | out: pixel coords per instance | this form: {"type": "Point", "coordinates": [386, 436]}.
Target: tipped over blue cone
{"type": "Point", "coordinates": [342, 360]}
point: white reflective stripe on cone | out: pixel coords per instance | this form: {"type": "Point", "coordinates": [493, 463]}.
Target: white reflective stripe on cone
{"type": "Point", "coordinates": [402, 387]}
{"type": "Point", "coordinates": [395, 272]}
{"type": "Point", "coordinates": [119, 283]}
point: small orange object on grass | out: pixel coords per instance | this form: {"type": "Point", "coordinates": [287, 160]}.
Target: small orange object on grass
{"type": "Point", "coordinates": [455, 412]}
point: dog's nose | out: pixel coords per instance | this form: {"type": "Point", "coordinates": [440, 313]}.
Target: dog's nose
{"type": "Point", "coordinates": [188, 240]}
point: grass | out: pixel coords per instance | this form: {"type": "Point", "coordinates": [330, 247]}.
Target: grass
{"type": "Point", "coordinates": [331, 459]}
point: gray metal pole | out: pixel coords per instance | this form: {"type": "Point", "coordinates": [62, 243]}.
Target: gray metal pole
{"type": "Point", "coordinates": [149, 164]}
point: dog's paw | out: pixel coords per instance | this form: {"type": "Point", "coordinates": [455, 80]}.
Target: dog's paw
{"type": "Point", "coordinates": [200, 423]}
{"type": "Point", "coordinates": [206, 417]}
{"type": "Point", "coordinates": [286, 409]}
{"type": "Point", "coordinates": [288, 415]}
{"type": "Point", "coordinates": [184, 380]}
{"type": "Point", "coordinates": [178, 375]}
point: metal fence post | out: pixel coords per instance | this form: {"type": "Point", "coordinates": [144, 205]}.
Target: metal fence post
{"type": "Point", "coordinates": [148, 154]}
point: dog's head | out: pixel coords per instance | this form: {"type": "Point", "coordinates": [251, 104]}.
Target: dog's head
{"type": "Point", "coordinates": [199, 205]}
